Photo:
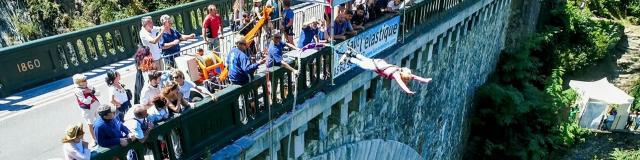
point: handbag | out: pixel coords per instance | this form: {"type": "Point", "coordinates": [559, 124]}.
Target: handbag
{"type": "Point", "coordinates": [128, 91]}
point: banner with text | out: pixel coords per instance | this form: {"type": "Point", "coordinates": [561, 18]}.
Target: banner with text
{"type": "Point", "coordinates": [368, 43]}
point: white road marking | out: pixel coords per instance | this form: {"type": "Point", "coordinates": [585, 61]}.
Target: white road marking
{"type": "Point", "coordinates": [51, 96]}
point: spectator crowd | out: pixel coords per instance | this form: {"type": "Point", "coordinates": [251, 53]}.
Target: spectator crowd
{"type": "Point", "coordinates": [161, 91]}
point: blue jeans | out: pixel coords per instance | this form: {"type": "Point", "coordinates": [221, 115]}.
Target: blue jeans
{"type": "Point", "coordinates": [170, 59]}
{"type": "Point", "coordinates": [124, 107]}
{"type": "Point", "coordinates": [214, 44]}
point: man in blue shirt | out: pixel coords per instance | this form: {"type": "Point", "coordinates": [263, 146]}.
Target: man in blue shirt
{"type": "Point", "coordinates": [239, 64]}
{"type": "Point", "coordinates": [309, 34]}
{"type": "Point", "coordinates": [110, 132]}
{"type": "Point", "coordinates": [171, 40]}
{"type": "Point", "coordinates": [287, 22]}
{"type": "Point", "coordinates": [342, 27]}
{"type": "Point", "coordinates": [275, 53]}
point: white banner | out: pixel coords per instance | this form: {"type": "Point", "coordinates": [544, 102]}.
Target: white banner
{"type": "Point", "coordinates": [369, 43]}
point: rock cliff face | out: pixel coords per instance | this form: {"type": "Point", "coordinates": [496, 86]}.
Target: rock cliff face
{"type": "Point", "coordinates": [433, 122]}
{"type": "Point", "coordinates": [524, 19]}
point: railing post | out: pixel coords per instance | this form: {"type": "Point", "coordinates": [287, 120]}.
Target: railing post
{"type": "Point", "coordinates": [344, 111]}
{"type": "Point", "coordinates": [298, 148]}
{"type": "Point", "coordinates": [323, 124]}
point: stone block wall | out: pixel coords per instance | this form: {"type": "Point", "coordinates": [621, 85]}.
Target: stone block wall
{"type": "Point", "coordinates": [367, 113]}
{"type": "Point", "coordinates": [434, 121]}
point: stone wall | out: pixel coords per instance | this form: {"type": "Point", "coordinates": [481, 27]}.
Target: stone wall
{"type": "Point", "coordinates": [433, 122]}
{"type": "Point", "coordinates": [458, 51]}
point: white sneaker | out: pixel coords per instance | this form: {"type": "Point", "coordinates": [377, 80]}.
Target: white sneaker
{"type": "Point", "coordinates": [344, 58]}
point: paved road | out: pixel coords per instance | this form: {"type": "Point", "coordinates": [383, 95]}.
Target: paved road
{"type": "Point", "coordinates": [36, 132]}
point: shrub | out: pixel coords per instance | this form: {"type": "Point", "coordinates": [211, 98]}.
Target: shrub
{"type": "Point", "coordinates": [619, 154]}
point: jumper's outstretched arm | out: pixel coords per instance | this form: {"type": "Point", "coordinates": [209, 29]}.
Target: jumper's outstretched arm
{"type": "Point", "coordinates": [420, 79]}
{"type": "Point", "coordinates": [404, 87]}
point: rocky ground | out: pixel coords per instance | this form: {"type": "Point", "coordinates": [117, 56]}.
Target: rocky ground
{"type": "Point", "coordinates": [628, 63]}
{"type": "Point", "coordinates": [621, 69]}
{"type": "Point", "coordinates": [600, 145]}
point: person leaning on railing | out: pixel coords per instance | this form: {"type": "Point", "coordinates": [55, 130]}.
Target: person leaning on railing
{"type": "Point", "coordinates": [171, 40]}
{"type": "Point", "coordinates": [276, 51]}
{"type": "Point", "coordinates": [239, 64]}
{"type": "Point", "coordinates": [308, 34]}
{"type": "Point", "coordinates": [341, 28]}
{"type": "Point", "coordinates": [349, 17]}
{"type": "Point", "coordinates": [211, 28]}
{"type": "Point", "coordinates": [185, 86]}
{"type": "Point", "coordinates": [394, 6]}
{"type": "Point", "coordinates": [150, 36]}
{"type": "Point", "coordinates": [109, 131]}
{"type": "Point", "coordinates": [158, 112]}
{"type": "Point", "coordinates": [73, 145]}
{"type": "Point", "coordinates": [173, 99]}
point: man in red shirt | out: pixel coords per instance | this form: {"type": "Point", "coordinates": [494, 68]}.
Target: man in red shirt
{"type": "Point", "coordinates": [212, 28]}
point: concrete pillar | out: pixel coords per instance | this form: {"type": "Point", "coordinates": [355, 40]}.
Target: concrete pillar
{"type": "Point", "coordinates": [459, 31]}
{"type": "Point", "coordinates": [298, 140]}
{"type": "Point", "coordinates": [449, 33]}
{"type": "Point", "coordinates": [323, 124]}
{"type": "Point", "coordinates": [344, 111]}
{"type": "Point", "coordinates": [273, 150]}
{"type": "Point", "coordinates": [440, 43]}
{"type": "Point", "coordinates": [429, 51]}
{"type": "Point", "coordinates": [420, 54]}
{"type": "Point", "coordinates": [363, 96]}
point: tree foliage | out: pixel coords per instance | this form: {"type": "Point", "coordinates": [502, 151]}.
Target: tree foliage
{"type": "Point", "coordinates": [524, 111]}
{"type": "Point", "coordinates": [47, 17]}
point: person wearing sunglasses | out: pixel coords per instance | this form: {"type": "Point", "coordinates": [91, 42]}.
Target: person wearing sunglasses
{"type": "Point", "coordinates": [239, 64]}
{"type": "Point", "coordinates": [185, 86]}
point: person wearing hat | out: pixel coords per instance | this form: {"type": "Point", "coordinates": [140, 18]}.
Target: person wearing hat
{"type": "Point", "coordinates": [73, 146]}
{"type": "Point", "coordinates": [110, 131]}
{"type": "Point", "coordinates": [308, 34]}
{"type": "Point", "coordinates": [239, 64]}
{"type": "Point", "coordinates": [275, 53]}
{"type": "Point", "coordinates": [256, 11]}
{"type": "Point", "coordinates": [87, 100]}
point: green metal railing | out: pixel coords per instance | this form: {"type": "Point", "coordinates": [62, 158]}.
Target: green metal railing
{"type": "Point", "coordinates": [241, 109]}
{"type": "Point", "coordinates": [48, 59]}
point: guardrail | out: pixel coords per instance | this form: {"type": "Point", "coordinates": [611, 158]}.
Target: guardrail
{"type": "Point", "coordinates": [241, 109]}
{"type": "Point", "coordinates": [48, 59]}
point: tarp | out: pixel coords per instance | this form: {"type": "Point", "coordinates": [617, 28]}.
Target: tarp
{"type": "Point", "coordinates": [601, 90]}
{"type": "Point", "coordinates": [597, 99]}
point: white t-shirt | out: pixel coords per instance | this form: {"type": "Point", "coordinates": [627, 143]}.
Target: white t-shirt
{"type": "Point", "coordinates": [148, 92]}
{"type": "Point", "coordinates": [185, 89]}
{"type": "Point", "coordinates": [145, 37]}
{"type": "Point", "coordinates": [395, 7]}
{"type": "Point", "coordinates": [120, 94]}
{"type": "Point", "coordinates": [75, 151]}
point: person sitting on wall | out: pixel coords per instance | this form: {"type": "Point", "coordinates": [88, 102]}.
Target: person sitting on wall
{"type": "Point", "coordinates": [402, 75]}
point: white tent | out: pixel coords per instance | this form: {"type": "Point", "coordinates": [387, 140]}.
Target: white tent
{"type": "Point", "coordinates": [596, 98]}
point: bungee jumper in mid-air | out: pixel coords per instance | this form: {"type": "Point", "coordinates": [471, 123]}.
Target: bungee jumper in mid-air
{"type": "Point", "coordinates": [402, 75]}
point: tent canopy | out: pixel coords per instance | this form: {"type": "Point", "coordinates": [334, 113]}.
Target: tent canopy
{"type": "Point", "coordinates": [601, 90]}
